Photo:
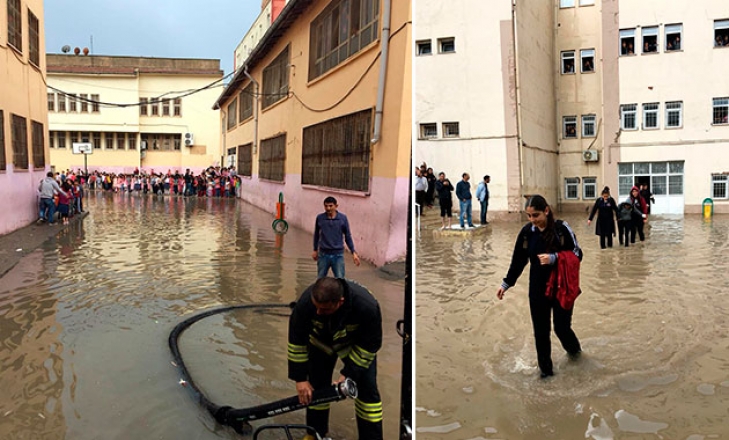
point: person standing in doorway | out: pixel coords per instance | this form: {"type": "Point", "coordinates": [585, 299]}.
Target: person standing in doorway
{"type": "Point", "coordinates": [550, 247]}
{"type": "Point", "coordinates": [607, 211]}
{"type": "Point", "coordinates": [482, 194]}
{"type": "Point", "coordinates": [445, 199]}
{"type": "Point", "coordinates": [647, 196]}
{"type": "Point", "coordinates": [463, 192]}
{"type": "Point", "coordinates": [329, 229]}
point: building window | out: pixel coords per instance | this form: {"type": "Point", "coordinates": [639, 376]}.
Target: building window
{"type": "Point", "coordinates": [84, 99]}
{"type": "Point", "coordinates": [428, 130]}
{"type": "Point", "coordinates": [95, 103]}
{"type": "Point", "coordinates": [177, 107]}
{"type": "Point", "coordinates": [450, 129]}
{"type": "Point", "coordinates": [143, 107]}
{"type": "Point", "coordinates": [154, 107]}
{"type": "Point", "coordinates": [566, 3]}
{"type": "Point", "coordinates": [19, 139]}
{"type": "Point", "coordinates": [15, 26]}
{"type": "Point", "coordinates": [97, 140]}
{"type": "Point", "coordinates": [232, 115]}
{"type": "Point", "coordinates": [587, 57]}
{"type": "Point", "coordinates": [568, 62]}
{"type": "Point", "coordinates": [245, 160]}
{"type": "Point", "coordinates": [424, 47]}
{"type": "Point", "coordinates": [166, 107]}
{"type": "Point", "coordinates": [650, 116]}
{"type": "Point", "coordinates": [721, 110]}
{"type": "Point", "coordinates": [276, 79]}
{"type": "Point", "coordinates": [33, 39]}
{"type": "Point", "coordinates": [109, 141]}
{"type": "Point", "coordinates": [719, 185]}
{"type": "Point", "coordinates": [177, 142]}
{"type": "Point", "coordinates": [245, 100]}
{"type": "Point", "coordinates": [673, 37]}
{"type": "Point", "coordinates": [61, 135]}
{"type": "Point", "coordinates": [272, 158]}
{"type": "Point", "coordinates": [132, 141]}
{"type": "Point", "coordinates": [628, 117]}
{"type": "Point", "coordinates": [569, 127]}
{"type": "Point", "coordinates": [38, 144]}
{"type": "Point", "coordinates": [650, 39]}
{"type": "Point", "coordinates": [51, 102]}
{"type": "Point", "coordinates": [120, 141]}
{"type": "Point", "coordinates": [336, 153]}
{"type": "Point", "coordinates": [3, 162]}
{"type": "Point", "coordinates": [674, 114]}
{"type": "Point", "coordinates": [589, 188]}
{"type": "Point", "coordinates": [627, 42]}
{"type": "Point", "coordinates": [588, 126]}
{"type": "Point", "coordinates": [571, 188]}
{"type": "Point", "coordinates": [344, 28]}
{"type": "Point", "coordinates": [52, 139]}
{"type": "Point", "coordinates": [721, 33]}
{"type": "Point", "coordinates": [446, 45]}
{"type": "Point", "coordinates": [61, 102]}
{"type": "Point", "coordinates": [72, 103]}
{"type": "Point", "coordinates": [587, 2]}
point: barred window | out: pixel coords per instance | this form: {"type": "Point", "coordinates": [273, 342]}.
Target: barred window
{"type": "Point", "coordinates": [38, 141]}
{"type": "Point", "coordinates": [19, 139]}
{"type": "Point", "coordinates": [344, 28]}
{"type": "Point", "coordinates": [109, 141]}
{"type": "Point", "coordinates": [628, 117]}
{"type": "Point", "coordinates": [276, 79]}
{"type": "Point", "coordinates": [51, 102]}
{"type": "Point", "coordinates": [143, 107]}
{"type": "Point", "coordinates": [166, 107]}
{"type": "Point", "coordinates": [96, 140]}
{"type": "Point", "coordinates": [569, 127]}
{"type": "Point", "coordinates": [589, 188]}
{"type": "Point", "coordinates": [72, 102]}
{"type": "Point", "coordinates": [571, 188]}
{"type": "Point", "coordinates": [132, 141]}
{"type": "Point", "coordinates": [95, 103]}
{"type": "Point", "coordinates": [61, 139]}
{"type": "Point", "coordinates": [245, 160]}
{"type": "Point", "coordinates": [568, 62]}
{"type": "Point", "coordinates": [721, 110]}
{"type": "Point", "coordinates": [245, 100]}
{"type": "Point", "coordinates": [650, 115]}
{"type": "Point", "coordinates": [33, 39]}
{"type": "Point", "coordinates": [588, 126]}
{"type": "Point", "coordinates": [84, 99]}
{"type": "Point", "coordinates": [157, 141]}
{"type": "Point", "coordinates": [272, 158]}
{"type": "Point", "coordinates": [719, 186]}
{"type": "Point", "coordinates": [61, 102]}
{"type": "Point", "coordinates": [177, 107]}
{"type": "Point", "coordinates": [154, 107]}
{"type": "Point", "coordinates": [120, 141]}
{"type": "Point", "coordinates": [336, 153]}
{"type": "Point", "coordinates": [231, 113]}
{"type": "Point", "coordinates": [428, 130]}
{"type": "Point", "coordinates": [3, 162]}
{"type": "Point", "coordinates": [15, 25]}
{"type": "Point", "coordinates": [451, 130]}
{"type": "Point", "coordinates": [674, 114]}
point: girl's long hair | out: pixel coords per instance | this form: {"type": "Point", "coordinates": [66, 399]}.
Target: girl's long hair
{"type": "Point", "coordinates": [539, 203]}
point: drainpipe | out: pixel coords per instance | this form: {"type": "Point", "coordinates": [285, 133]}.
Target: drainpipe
{"type": "Point", "coordinates": [518, 102]}
{"type": "Point", "coordinates": [384, 49]}
{"type": "Point", "coordinates": [255, 108]}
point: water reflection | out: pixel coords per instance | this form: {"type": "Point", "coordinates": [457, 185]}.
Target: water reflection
{"type": "Point", "coordinates": [84, 322]}
{"type": "Point", "coordinates": [651, 319]}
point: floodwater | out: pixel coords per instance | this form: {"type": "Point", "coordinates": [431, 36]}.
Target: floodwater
{"type": "Point", "coordinates": [84, 322]}
{"type": "Point", "coordinates": [653, 320]}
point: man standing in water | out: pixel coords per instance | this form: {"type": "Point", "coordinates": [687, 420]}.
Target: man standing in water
{"type": "Point", "coordinates": [329, 228]}
{"type": "Point", "coordinates": [463, 192]}
{"type": "Point", "coordinates": [337, 318]}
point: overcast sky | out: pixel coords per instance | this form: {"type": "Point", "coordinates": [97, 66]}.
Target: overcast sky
{"type": "Point", "coordinates": [151, 28]}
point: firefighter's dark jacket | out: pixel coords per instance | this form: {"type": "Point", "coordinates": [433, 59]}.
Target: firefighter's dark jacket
{"type": "Point", "coordinates": [353, 332]}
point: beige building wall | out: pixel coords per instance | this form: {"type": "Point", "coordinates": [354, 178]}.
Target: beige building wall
{"type": "Point", "coordinates": [23, 94]}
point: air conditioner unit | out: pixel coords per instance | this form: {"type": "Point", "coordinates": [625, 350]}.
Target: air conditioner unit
{"type": "Point", "coordinates": [188, 140]}
{"type": "Point", "coordinates": [589, 156]}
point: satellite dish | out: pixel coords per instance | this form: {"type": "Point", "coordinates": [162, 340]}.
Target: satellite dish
{"type": "Point", "coordinates": [66, 49]}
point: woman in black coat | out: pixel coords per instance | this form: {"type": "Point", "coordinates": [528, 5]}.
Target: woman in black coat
{"type": "Point", "coordinates": [607, 212]}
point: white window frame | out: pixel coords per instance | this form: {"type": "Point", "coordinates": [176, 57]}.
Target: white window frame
{"type": "Point", "coordinates": [451, 130]}
{"type": "Point", "coordinates": [589, 183]}
{"type": "Point", "coordinates": [673, 29]}
{"type": "Point", "coordinates": [566, 4]}
{"type": "Point", "coordinates": [587, 121]}
{"type": "Point", "coordinates": [587, 3]}
{"type": "Point", "coordinates": [674, 107]}
{"type": "Point", "coordinates": [587, 54]}
{"type": "Point", "coordinates": [651, 108]}
{"type": "Point", "coordinates": [567, 55]}
{"type": "Point", "coordinates": [424, 130]}
{"type": "Point", "coordinates": [573, 184]}
{"type": "Point", "coordinates": [567, 121]}
{"type": "Point", "coordinates": [626, 110]}
{"type": "Point", "coordinates": [443, 42]}
{"type": "Point", "coordinates": [720, 25]}
{"type": "Point", "coordinates": [719, 104]}
{"type": "Point", "coordinates": [649, 31]}
{"type": "Point", "coordinates": [420, 45]}
{"type": "Point", "coordinates": [719, 182]}
{"type": "Point", "coordinates": [625, 35]}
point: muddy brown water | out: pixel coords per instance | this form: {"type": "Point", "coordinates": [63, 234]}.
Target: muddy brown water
{"type": "Point", "coordinates": [84, 322]}
{"type": "Point", "coordinates": [653, 320]}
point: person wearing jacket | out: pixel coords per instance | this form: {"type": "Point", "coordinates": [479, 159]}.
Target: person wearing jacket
{"type": "Point", "coordinates": [539, 243]}
{"type": "Point", "coordinates": [337, 318]}
{"type": "Point", "coordinates": [48, 187]}
{"type": "Point", "coordinates": [625, 222]}
{"type": "Point", "coordinates": [638, 221]}
{"type": "Point", "coordinates": [482, 194]}
{"type": "Point", "coordinates": [607, 211]}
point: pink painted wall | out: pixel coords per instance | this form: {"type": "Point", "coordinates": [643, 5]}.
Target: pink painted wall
{"type": "Point", "coordinates": [378, 221]}
{"type": "Point", "coordinates": [19, 195]}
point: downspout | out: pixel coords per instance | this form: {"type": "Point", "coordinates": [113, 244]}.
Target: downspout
{"type": "Point", "coordinates": [518, 101]}
{"type": "Point", "coordinates": [384, 49]}
{"type": "Point", "coordinates": [255, 108]}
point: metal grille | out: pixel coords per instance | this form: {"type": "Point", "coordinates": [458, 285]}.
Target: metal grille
{"type": "Point", "coordinates": [15, 26]}
{"type": "Point", "coordinates": [673, 113]}
{"type": "Point", "coordinates": [231, 113]}
{"type": "Point", "coordinates": [276, 79]}
{"type": "Point", "coordinates": [19, 133]}
{"type": "Point", "coordinates": [721, 110]}
{"type": "Point", "coordinates": [3, 163]}
{"type": "Point", "coordinates": [272, 158]}
{"type": "Point", "coordinates": [245, 160]}
{"type": "Point", "coordinates": [37, 136]}
{"type": "Point", "coordinates": [336, 153]}
{"type": "Point", "coordinates": [33, 39]}
{"type": "Point", "coordinates": [245, 100]}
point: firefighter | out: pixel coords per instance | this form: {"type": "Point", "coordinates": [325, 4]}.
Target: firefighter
{"type": "Point", "coordinates": [337, 318]}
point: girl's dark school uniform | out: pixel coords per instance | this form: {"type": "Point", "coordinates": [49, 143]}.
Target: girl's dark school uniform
{"type": "Point", "coordinates": [606, 211]}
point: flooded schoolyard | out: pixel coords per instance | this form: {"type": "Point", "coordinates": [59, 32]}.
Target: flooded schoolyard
{"type": "Point", "coordinates": [653, 320]}
{"type": "Point", "coordinates": [85, 320]}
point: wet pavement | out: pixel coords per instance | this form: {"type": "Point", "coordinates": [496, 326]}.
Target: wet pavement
{"type": "Point", "coordinates": [85, 317]}
{"type": "Point", "coordinates": [653, 320]}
